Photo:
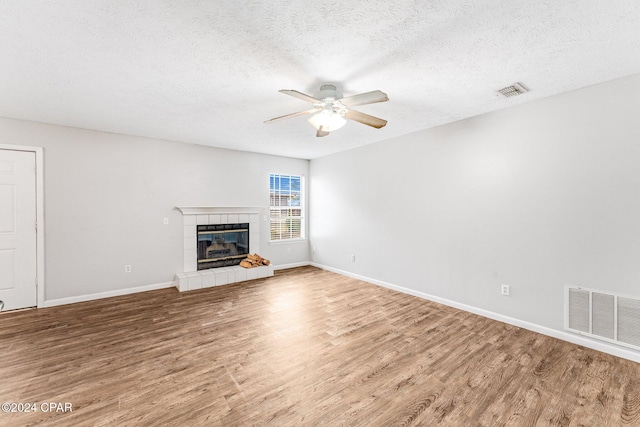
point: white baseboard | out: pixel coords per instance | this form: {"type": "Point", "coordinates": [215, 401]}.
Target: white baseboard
{"type": "Point", "coordinates": [292, 265]}
{"type": "Point", "coordinates": [562, 335]}
{"type": "Point", "coordinates": [108, 294]}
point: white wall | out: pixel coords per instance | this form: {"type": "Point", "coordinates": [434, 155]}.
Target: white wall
{"type": "Point", "coordinates": [536, 196]}
{"type": "Point", "coordinates": [106, 196]}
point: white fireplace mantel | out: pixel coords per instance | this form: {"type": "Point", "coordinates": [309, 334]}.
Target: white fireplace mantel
{"type": "Point", "coordinates": [192, 216]}
{"type": "Point", "coordinates": [207, 210]}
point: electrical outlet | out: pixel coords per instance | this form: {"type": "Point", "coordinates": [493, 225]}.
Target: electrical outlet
{"type": "Point", "coordinates": [313, 250]}
{"type": "Point", "coordinates": [127, 268]}
{"type": "Point", "coordinates": [165, 221]}
{"type": "Point", "coordinates": [353, 258]}
{"type": "Point", "coordinates": [505, 290]}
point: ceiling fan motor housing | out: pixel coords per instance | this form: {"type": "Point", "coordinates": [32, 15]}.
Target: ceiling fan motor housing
{"type": "Point", "coordinates": [328, 91]}
{"type": "Point", "coordinates": [329, 100]}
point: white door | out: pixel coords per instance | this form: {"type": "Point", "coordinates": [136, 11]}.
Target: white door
{"type": "Point", "coordinates": [17, 229]}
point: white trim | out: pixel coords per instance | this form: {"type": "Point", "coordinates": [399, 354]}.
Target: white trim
{"type": "Point", "coordinates": [108, 294]}
{"type": "Point", "coordinates": [41, 224]}
{"type": "Point", "coordinates": [574, 339]}
{"type": "Point", "coordinates": [297, 240]}
{"type": "Point", "coordinates": [19, 147]}
{"type": "Point", "coordinates": [40, 265]}
{"type": "Point", "coordinates": [292, 265]}
{"type": "Point", "coordinates": [210, 210]}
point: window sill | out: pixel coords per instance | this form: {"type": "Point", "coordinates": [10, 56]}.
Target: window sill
{"type": "Point", "coordinates": [288, 241]}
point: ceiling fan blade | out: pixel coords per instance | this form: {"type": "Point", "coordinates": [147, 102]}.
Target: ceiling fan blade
{"type": "Point", "coordinates": [288, 116]}
{"type": "Point", "coordinates": [365, 98]}
{"type": "Point", "coordinates": [365, 119]}
{"type": "Point", "coordinates": [321, 132]}
{"type": "Point", "coordinates": [299, 95]}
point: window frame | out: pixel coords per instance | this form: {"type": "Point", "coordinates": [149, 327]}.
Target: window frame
{"type": "Point", "coordinates": [302, 206]}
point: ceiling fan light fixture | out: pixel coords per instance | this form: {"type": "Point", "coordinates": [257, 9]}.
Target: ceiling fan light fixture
{"type": "Point", "coordinates": [328, 120]}
{"type": "Point", "coordinates": [331, 110]}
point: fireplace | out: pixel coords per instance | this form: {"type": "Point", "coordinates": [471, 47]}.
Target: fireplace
{"type": "Point", "coordinates": [222, 245]}
{"type": "Point", "coordinates": [192, 276]}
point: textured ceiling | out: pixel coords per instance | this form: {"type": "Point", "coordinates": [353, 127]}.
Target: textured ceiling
{"type": "Point", "coordinates": [208, 72]}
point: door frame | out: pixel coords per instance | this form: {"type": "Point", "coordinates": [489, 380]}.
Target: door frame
{"type": "Point", "coordinates": [39, 215]}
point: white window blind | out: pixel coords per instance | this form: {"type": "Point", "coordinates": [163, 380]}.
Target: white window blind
{"type": "Point", "coordinates": [286, 207]}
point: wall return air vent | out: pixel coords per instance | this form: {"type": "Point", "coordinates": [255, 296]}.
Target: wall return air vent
{"type": "Point", "coordinates": [603, 315]}
{"type": "Point", "coordinates": [513, 90]}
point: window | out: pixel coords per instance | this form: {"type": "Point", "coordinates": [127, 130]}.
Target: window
{"type": "Point", "coordinates": [286, 207]}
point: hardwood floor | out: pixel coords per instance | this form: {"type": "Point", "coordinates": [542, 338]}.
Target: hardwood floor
{"type": "Point", "coordinates": [306, 347]}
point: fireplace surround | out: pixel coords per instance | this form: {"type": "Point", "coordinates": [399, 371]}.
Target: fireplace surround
{"type": "Point", "coordinates": [192, 217]}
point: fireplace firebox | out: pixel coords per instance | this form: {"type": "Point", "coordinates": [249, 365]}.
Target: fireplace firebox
{"type": "Point", "coordinates": [222, 245]}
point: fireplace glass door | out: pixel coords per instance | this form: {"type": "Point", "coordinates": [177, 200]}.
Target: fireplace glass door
{"type": "Point", "coordinates": [222, 245]}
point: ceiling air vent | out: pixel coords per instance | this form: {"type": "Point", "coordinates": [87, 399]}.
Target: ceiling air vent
{"type": "Point", "coordinates": [513, 90]}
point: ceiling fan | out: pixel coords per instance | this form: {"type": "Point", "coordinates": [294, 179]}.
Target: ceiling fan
{"type": "Point", "coordinates": [331, 109]}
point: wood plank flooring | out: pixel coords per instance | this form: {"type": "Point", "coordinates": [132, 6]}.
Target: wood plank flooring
{"type": "Point", "coordinates": [306, 347]}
